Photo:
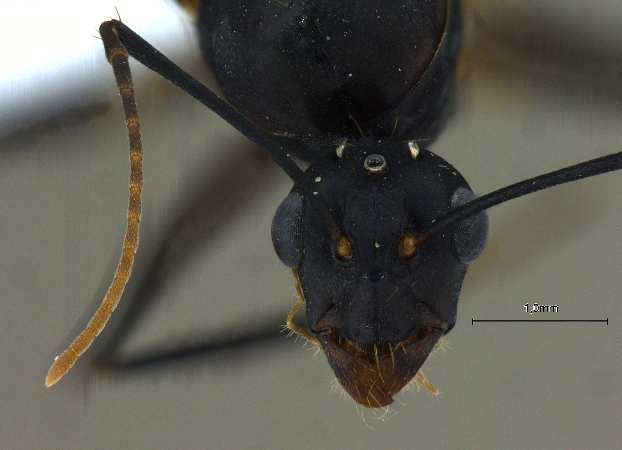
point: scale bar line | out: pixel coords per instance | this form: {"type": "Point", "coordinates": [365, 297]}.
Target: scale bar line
{"type": "Point", "coordinates": [605, 321]}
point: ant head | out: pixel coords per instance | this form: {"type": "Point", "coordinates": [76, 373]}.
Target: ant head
{"type": "Point", "coordinates": [378, 294]}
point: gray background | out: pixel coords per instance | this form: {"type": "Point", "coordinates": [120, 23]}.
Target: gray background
{"type": "Point", "coordinates": [539, 89]}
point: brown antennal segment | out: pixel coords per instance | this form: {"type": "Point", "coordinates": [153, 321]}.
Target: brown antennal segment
{"type": "Point", "coordinates": [118, 57]}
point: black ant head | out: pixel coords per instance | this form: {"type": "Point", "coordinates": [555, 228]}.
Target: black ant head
{"type": "Point", "coordinates": [379, 293]}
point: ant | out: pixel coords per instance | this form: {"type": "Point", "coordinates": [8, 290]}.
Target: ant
{"type": "Point", "coordinates": [378, 231]}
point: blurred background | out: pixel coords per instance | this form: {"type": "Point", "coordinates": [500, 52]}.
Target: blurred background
{"type": "Point", "coordinates": [538, 89]}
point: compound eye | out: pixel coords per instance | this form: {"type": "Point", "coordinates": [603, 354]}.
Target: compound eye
{"type": "Point", "coordinates": [408, 246]}
{"type": "Point", "coordinates": [469, 237]}
{"type": "Point", "coordinates": [343, 251]}
{"type": "Point", "coordinates": [287, 230]}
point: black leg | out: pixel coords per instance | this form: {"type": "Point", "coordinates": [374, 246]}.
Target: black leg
{"type": "Point", "coordinates": [208, 349]}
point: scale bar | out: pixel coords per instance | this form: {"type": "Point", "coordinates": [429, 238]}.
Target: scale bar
{"type": "Point", "coordinates": [605, 321]}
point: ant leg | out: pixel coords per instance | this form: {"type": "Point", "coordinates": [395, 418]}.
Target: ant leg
{"type": "Point", "coordinates": [230, 342]}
